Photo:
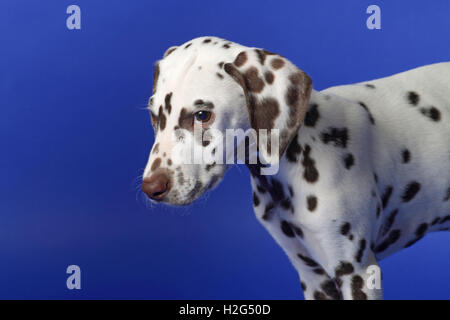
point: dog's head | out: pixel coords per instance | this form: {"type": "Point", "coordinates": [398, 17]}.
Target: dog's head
{"type": "Point", "coordinates": [206, 94]}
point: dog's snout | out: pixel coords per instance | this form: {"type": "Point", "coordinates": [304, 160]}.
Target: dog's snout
{"type": "Point", "coordinates": [156, 186]}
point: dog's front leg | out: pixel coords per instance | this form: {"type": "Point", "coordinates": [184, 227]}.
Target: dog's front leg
{"type": "Point", "coordinates": [315, 282]}
{"type": "Point", "coordinates": [355, 270]}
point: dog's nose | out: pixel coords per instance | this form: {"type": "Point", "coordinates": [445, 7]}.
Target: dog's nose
{"type": "Point", "coordinates": [156, 186]}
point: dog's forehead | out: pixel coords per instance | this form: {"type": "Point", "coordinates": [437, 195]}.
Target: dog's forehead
{"type": "Point", "coordinates": [194, 70]}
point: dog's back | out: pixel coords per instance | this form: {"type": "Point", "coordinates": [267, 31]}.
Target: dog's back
{"type": "Point", "coordinates": [409, 148]}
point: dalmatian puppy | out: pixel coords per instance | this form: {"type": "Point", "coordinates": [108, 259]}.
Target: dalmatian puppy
{"type": "Point", "coordinates": [363, 169]}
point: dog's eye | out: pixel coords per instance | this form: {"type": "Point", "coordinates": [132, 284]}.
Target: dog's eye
{"type": "Point", "coordinates": [202, 116]}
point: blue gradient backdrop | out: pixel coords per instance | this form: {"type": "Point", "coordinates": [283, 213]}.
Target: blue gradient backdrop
{"type": "Point", "coordinates": [75, 134]}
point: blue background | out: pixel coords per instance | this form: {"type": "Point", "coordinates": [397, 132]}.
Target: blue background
{"type": "Point", "coordinates": [75, 136]}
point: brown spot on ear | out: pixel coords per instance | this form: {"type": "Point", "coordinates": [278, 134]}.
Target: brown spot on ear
{"type": "Point", "coordinates": [264, 113]}
{"type": "Point", "coordinates": [268, 75]}
{"type": "Point", "coordinates": [226, 46]}
{"type": "Point", "coordinates": [155, 77]}
{"type": "Point", "coordinates": [277, 63]}
{"type": "Point", "coordinates": [162, 119]}
{"type": "Point", "coordinates": [167, 99]}
{"type": "Point", "coordinates": [240, 59]}
{"type": "Point", "coordinates": [296, 97]}
{"type": "Point", "coordinates": [252, 80]}
{"type": "Point", "coordinates": [219, 75]}
{"type": "Point", "coordinates": [155, 164]}
{"type": "Point", "coordinates": [220, 64]}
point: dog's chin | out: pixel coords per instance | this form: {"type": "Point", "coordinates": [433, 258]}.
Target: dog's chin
{"type": "Point", "coordinates": [175, 199]}
{"type": "Point", "coordinates": [178, 201]}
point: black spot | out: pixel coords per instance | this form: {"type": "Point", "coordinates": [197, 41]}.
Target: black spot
{"type": "Point", "coordinates": [188, 45]}
{"type": "Point", "coordinates": [389, 222]}
{"type": "Point", "coordinates": [255, 200]}
{"type": "Point", "coordinates": [411, 190]}
{"type": "Point", "coordinates": [311, 202]}
{"type": "Point", "coordinates": [345, 228]}
{"type": "Point", "coordinates": [349, 161]}
{"type": "Point", "coordinates": [357, 285]}
{"type": "Point", "coordinates": [286, 203]}
{"type": "Point", "coordinates": [260, 189]}
{"type": "Point", "coordinates": [371, 86]}
{"type": "Point", "coordinates": [344, 268]}
{"type": "Point", "coordinates": [312, 116]}
{"type": "Point", "coordinates": [276, 190]}
{"type": "Point", "coordinates": [268, 211]}
{"type": "Point", "coordinates": [386, 195]}
{"type": "Point", "coordinates": [310, 173]}
{"type": "Point", "coordinates": [413, 98]}
{"type": "Point", "coordinates": [297, 231]}
{"type": "Point", "coordinates": [338, 137]}
{"type": "Point", "coordinates": [219, 75]}
{"type": "Point", "coordinates": [435, 221]}
{"type": "Point", "coordinates": [378, 210]}
{"type": "Point", "coordinates": [318, 295]}
{"type": "Point", "coordinates": [422, 229]}
{"type": "Point", "coordinates": [393, 236]}
{"type": "Point", "coordinates": [406, 155]}
{"type": "Point", "coordinates": [308, 261]}
{"type": "Point", "coordinates": [372, 120]}
{"type": "Point", "coordinates": [330, 289]}
{"type": "Point", "coordinates": [206, 40]}
{"type": "Point", "coordinates": [432, 113]}
{"type": "Point", "coordinates": [303, 286]}
{"type": "Point", "coordinates": [293, 150]}
{"type": "Point", "coordinates": [319, 271]}
{"type": "Point", "coordinates": [362, 247]}
{"type": "Point", "coordinates": [287, 230]}
{"type": "Point", "coordinates": [210, 166]}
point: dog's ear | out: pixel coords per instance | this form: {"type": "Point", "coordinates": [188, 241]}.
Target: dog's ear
{"type": "Point", "coordinates": [277, 94]}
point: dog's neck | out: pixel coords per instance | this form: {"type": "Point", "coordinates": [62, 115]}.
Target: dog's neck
{"type": "Point", "coordinates": [266, 182]}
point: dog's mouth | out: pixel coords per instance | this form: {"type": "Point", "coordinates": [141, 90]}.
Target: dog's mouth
{"type": "Point", "coordinates": [176, 198]}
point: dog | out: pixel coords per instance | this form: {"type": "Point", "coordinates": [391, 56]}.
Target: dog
{"type": "Point", "coordinates": [364, 169]}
